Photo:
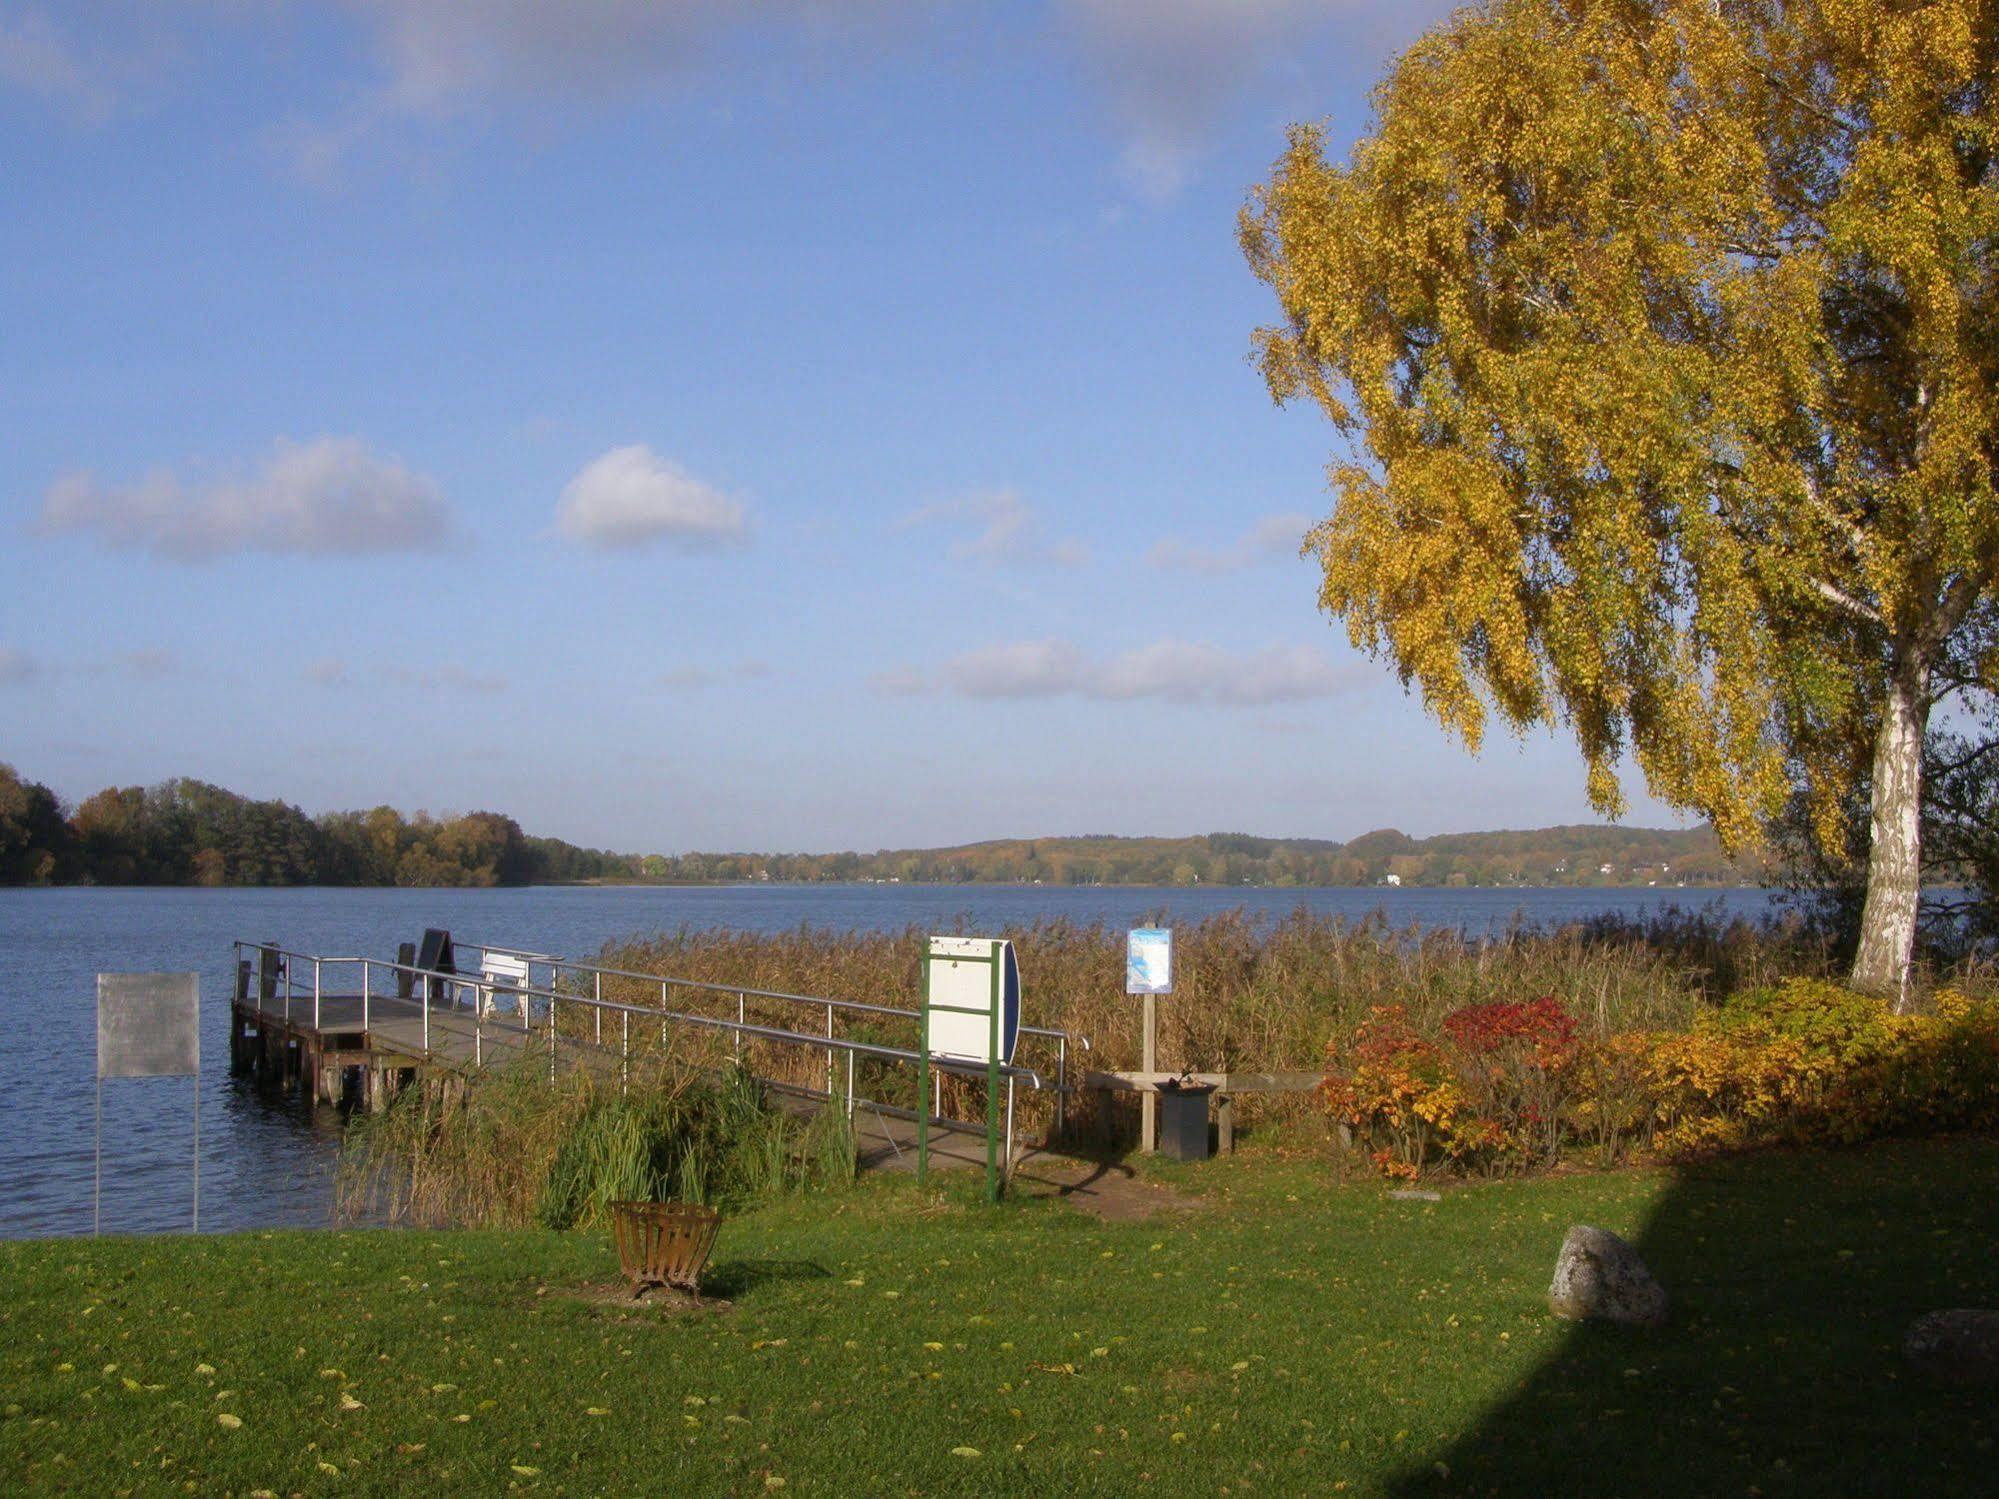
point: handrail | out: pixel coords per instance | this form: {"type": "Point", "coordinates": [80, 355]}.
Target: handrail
{"type": "Point", "coordinates": [770, 1033]}
{"type": "Point", "coordinates": [711, 986]}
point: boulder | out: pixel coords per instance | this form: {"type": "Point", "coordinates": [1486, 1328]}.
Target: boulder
{"type": "Point", "coordinates": [1599, 1275]}
{"type": "Point", "coordinates": [1960, 1346]}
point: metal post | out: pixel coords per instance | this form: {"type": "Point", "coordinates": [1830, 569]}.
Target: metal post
{"type": "Point", "coordinates": [625, 1051]}
{"type": "Point", "coordinates": [1061, 1085]}
{"type": "Point", "coordinates": [1009, 1129]}
{"type": "Point", "coordinates": [662, 1012]}
{"type": "Point", "coordinates": [551, 1031]}
{"type": "Point", "coordinates": [285, 967]}
{"type": "Point", "coordinates": [1149, 1099]}
{"type": "Point", "coordinates": [315, 997]}
{"type": "Point", "coordinates": [829, 1052]}
{"type": "Point", "coordinates": [736, 1037]}
{"type": "Point", "coordinates": [367, 984]}
{"type": "Point", "coordinates": [97, 1178]}
{"type": "Point", "coordinates": [478, 1036]}
{"type": "Point", "coordinates": [197, 1149]}
{"type": "Point", "coordinates": [922, 1100]}
{"type": "Point", "coordinates": [424, 983]}
{"type": "Point", "coordinates": [992, 1079]}
{"type": "Point", "coordinates": [850, 1088]}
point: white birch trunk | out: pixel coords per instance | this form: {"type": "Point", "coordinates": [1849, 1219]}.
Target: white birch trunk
{"type": "Point", "coordinates": [1894, 857]}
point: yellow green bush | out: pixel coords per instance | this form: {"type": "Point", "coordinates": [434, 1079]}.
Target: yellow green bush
{"type": "Point", "coordinates": [1501, 1086]}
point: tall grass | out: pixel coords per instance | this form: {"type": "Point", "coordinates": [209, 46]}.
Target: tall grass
{"type": "Point", "coordinates": [510, 1147]}
{"type": "Point", "coordinates": [1249, 995]}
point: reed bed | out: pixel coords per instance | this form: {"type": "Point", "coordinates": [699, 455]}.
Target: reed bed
{"type": "Point", "coordinates": [509, 1147]}
{"type": "Point", "coordinates": [1250, 995]}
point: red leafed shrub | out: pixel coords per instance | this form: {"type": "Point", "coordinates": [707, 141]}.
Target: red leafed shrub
{"type": "Point", "coordinates": [1541, 1024]}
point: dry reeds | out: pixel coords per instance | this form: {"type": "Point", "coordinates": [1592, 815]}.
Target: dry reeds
{"type": "Point", "coordinates": [1249, 995]}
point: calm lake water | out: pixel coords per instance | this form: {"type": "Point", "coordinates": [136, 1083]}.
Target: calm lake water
{"type": "Point", "coordinates": [266, 1162]}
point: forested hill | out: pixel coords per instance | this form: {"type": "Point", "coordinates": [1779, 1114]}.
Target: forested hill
{"type": "Point", "coordinates": [1587, 854]}
{"type": "Point", "coordinates": [187, 832]}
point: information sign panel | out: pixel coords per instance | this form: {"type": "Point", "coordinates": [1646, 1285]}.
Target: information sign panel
{"type": "Point", "coordinates": [1148, 960]}
{"type": "Point", "coordinates": [972, 994]}
{"type": "Point", "coordinates": [148, 1024]}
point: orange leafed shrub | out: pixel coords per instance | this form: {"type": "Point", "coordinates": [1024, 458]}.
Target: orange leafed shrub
{"type": "Point", "coordinates": [1503, 1086]}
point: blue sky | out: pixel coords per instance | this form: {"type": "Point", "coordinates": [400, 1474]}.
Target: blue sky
{"type": "Point", "coordinates": [686, 425]}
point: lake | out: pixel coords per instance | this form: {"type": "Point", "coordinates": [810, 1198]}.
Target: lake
{"type": "Point", "coordinates": [268, 1162]}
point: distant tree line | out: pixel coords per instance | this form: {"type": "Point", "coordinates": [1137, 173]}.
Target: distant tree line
{"type": "Point", "coordinates": [1584, 855]}
{"type": "Point", "coordinates": [187, 832]}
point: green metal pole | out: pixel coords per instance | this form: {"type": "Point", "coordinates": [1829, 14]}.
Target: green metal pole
{"type": "Point", "coordinates": [992, 1078]}
{"type": "Point", "coordinates": [923, 1079]}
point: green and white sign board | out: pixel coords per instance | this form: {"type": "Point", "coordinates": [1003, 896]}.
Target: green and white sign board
{"type": "Point", "coordinates": [971, 1023]}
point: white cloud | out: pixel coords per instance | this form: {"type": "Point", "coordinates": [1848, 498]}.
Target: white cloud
{"type": "Point", "coordinates": [1003, 529]}
{"type": "Point", "coordinates": [440, 53]}
{"type": "Point", "coordinates": [1176, 671]}
{"type": "Point", "coordinates": [632, 496]}
{"type": "Point", "coordinates": [16, 666]}
{"type": "Point", "coordinates": [1027, 668]}
{"type": "Point", "coordinates": [1272, 536]}
{"type": "Point", "coordinates": [38, 59]}
{"type": "Point", "coordinates": [1172, 70]}
{"type": "Point", "coordinates": [328, 497]}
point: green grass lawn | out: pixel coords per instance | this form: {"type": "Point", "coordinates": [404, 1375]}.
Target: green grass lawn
{"type": "Point", "coordinates": [1289, 1335]}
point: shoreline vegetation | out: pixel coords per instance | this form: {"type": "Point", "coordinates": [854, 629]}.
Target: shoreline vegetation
{"type": "Point", "coordinates": [188, 832]}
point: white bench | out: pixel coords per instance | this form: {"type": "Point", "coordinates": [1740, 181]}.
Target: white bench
{"type": "Point", "coordinates": [502, 975]}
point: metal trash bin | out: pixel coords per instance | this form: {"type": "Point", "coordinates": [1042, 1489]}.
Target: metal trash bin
{"type": "Point", "coordinates": [1183, 1120]}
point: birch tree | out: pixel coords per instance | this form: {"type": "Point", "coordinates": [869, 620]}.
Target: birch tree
{"type": "Point", "coordinates": [1662, 338]}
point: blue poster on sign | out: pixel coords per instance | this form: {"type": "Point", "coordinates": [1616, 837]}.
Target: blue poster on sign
{"type": "Point", "coordinates": [1148, 960]}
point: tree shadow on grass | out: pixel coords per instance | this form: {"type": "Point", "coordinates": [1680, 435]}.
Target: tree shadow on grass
{"type": "Point", "coordinates": [1793, 1278]}
{"type": "Point", "coordinates": [734, 1279]}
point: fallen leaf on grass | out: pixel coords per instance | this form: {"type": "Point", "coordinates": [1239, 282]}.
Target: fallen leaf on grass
{"type": "Point", "coordinates": [204, 1369]}
{"type": "Point", "coordinates": [525, 1471]}
{"type": "Point", "coordinates": [595, 1410]}
{"type": "Point", "coordinates": [326, 1467]}
{"type": "Point", "coordinates": [228, 1422]}
{"type": "Point", "coordinates": [349, 1403]}
{"type": "Point", "coordinates": [965, 1452]}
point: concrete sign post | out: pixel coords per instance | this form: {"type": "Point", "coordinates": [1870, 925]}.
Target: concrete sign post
{"type": "Point", "coordinates": [148, 1025]}
{"type": "Point", "coordinates": [1148, 970]}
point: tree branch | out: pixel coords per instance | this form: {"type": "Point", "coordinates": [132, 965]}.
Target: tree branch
{"type": "Point", "coordinates": [1840, 599]}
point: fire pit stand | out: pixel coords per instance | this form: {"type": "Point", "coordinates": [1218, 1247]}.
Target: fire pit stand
{"type": "Point", "coordinates": [664, 1243]}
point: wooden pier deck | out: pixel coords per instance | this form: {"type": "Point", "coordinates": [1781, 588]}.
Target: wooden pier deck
{"type": "Point", "coordinates": [339, 1050]}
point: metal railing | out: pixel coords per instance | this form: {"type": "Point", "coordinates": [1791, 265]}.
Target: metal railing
{"type": "Point", "coordinates": [596, 973]}
{"type": "Point", "coordinates": [269, 981]}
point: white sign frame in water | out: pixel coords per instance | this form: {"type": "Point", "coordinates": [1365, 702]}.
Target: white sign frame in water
{"type": "Point", "coordinates": [148, 1025]}
{"type": "Point", "coordinates": [1148, 960]}
{"type": "Point", "coordinates": [971, 1005]}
